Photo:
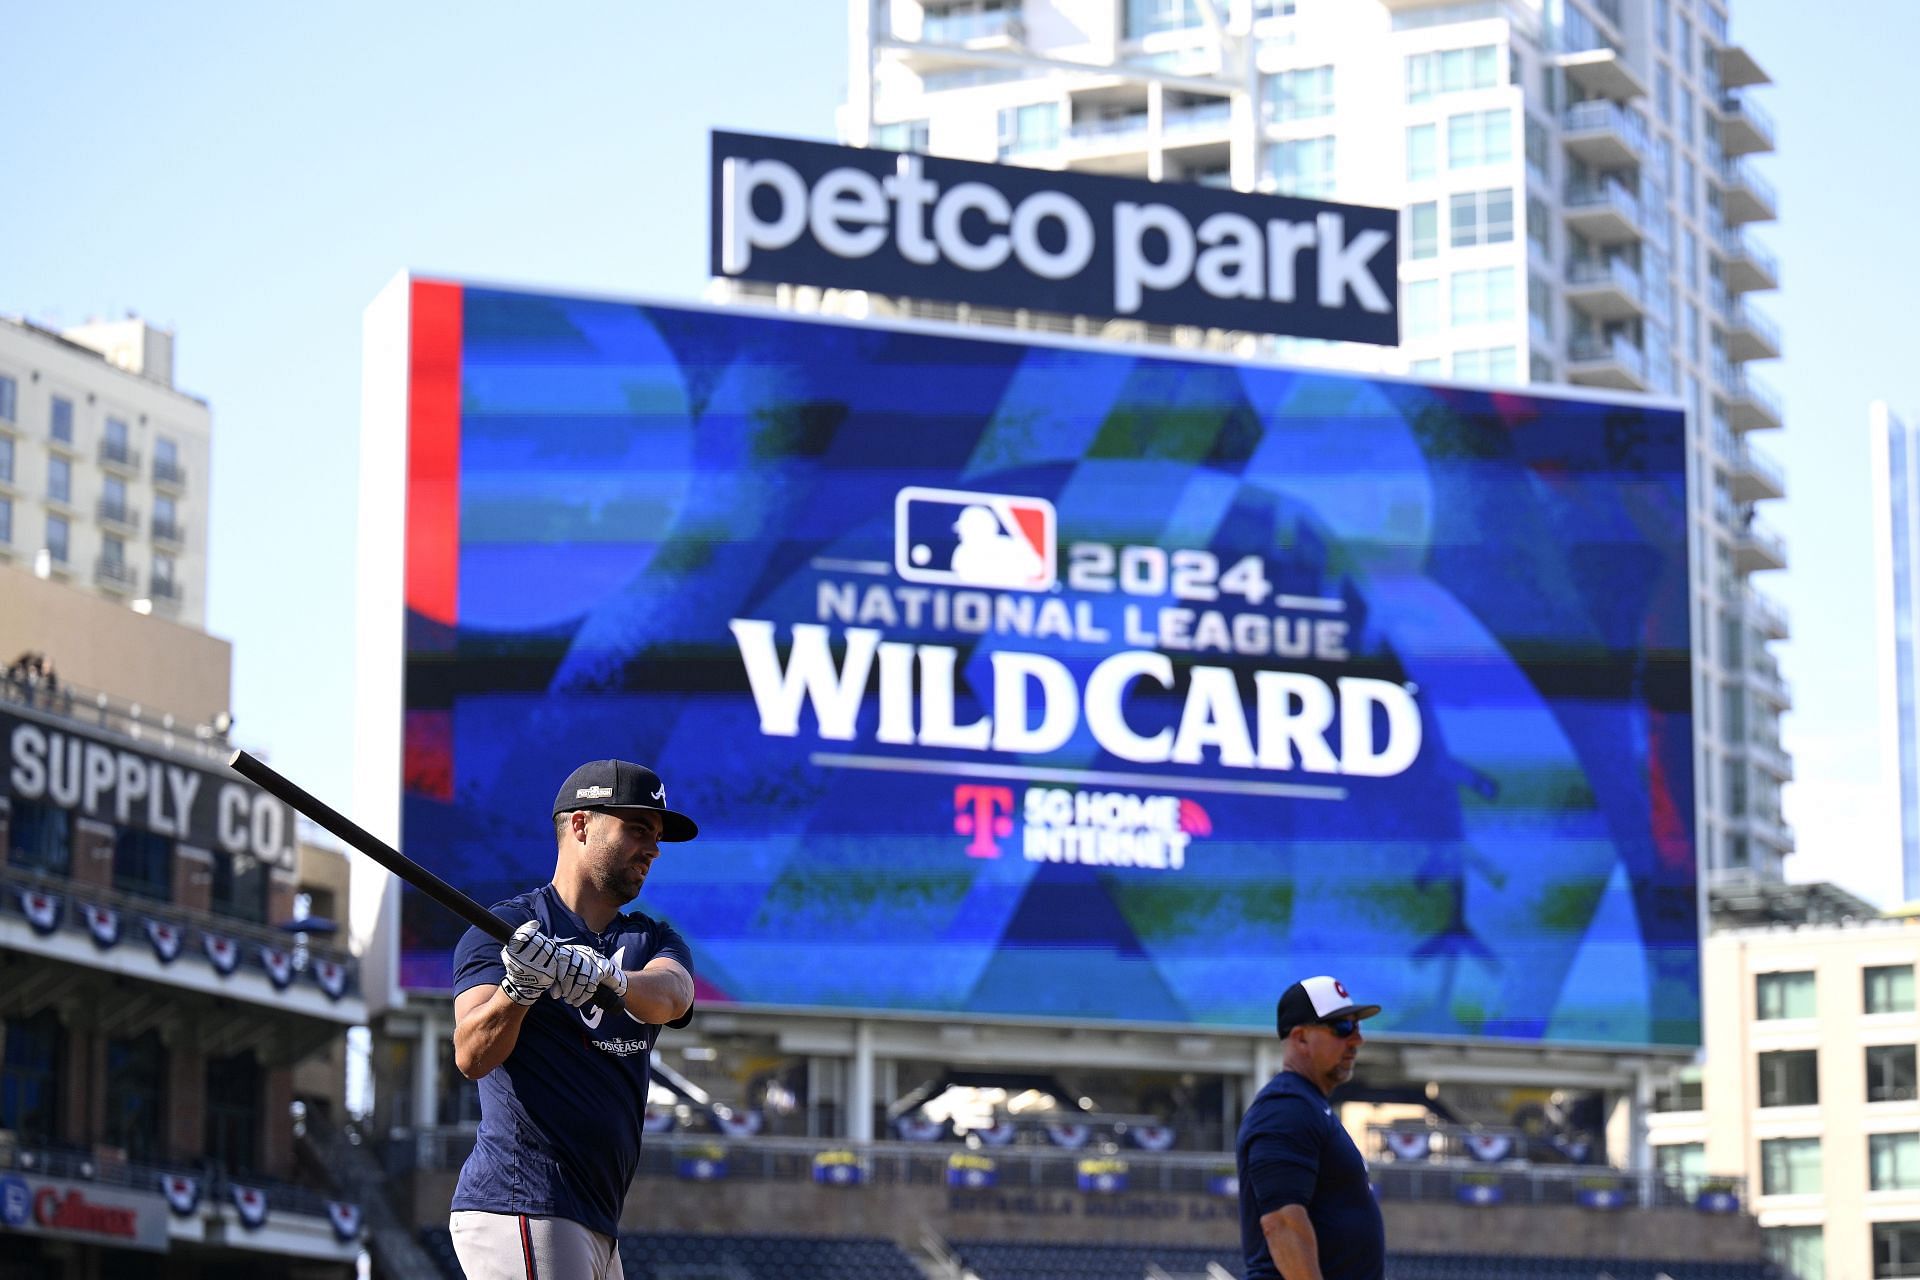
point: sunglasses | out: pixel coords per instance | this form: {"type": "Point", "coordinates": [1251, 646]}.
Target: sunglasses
{"type": "Point", "coordinates": [1342, 1027]}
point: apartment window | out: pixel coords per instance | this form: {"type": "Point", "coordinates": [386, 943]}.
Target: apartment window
{"type": "Point", "coordinates": [58, 537]}
{"type": "Point", "coordinates": [901, 135]}
{"type": "Point", "coordinates": [1662, 22]}
{"type": "Point", "coordinates": [1890, 1073]}
{"type": "Point", "coordinates": [1889, 988]}
{"type": "Point", "coordinates": [166, 515]}
{"type": "Point", "coordinates": [233, 1112]}
{"type": "Point", "coordinates": [9, 400]}
{"type": "Point", "coordinates": [1663, 91]}
{"type": "Point", "coordinates": [1145, 17]}
{"type": "Point", "coordinates": [1683, 47]}
{"type": "Point", "coordinates": [1493, 364]}
{"type": "Point", "coordinates": [239, 887]}
{"type": "Point", "coordinates": [1682, 1163]}
{"type": "Point", "coordinates": [1421, 303]}
{"type": "Point", "coordinates": [1540, 305]}
{"type": "Point", "coordinates": [60, 425]}
{"type": "Point", "coordinates": [33, 1067]}
{"type": "Point", "coordinates": [38, 837]}
{"type": "Point", "coordinates": [1896, 1250]}
{"type": "Point", "coordinates": [1799, 1251]}
{"type": "Point", "coordinates": [59, 478]}
{"type": "Point", "coordinates": [1423, 229]}
{"type": "Point", "coordinates": [1479, 137]}
{"type": "Point", "coordinates": [1539, 225]}
{"type": "Point", "coordinates": [6, 459]}
{"type": "Point", "coordinates": [1690, 188]}
{"type": "Point", "coordinates": [1304, 94]}
{"type": "Point", "coordinates": [1431, 367]}
{"type": "Point", "coordinates": [1737, 851]}
{"type": "Point", "coordinates": [1034, 127]}
{"type": "Point", "coordinates": [113, 498]}
{"type": "Point", "coordinates": [1783, 995]}
{"type": "Point", "coordinates": [1539, 150]}
{"type": "Point", "coordinates": [1303, 167]}
{"type": "Point", "coordinates": [136, 1095]}
{"type": "Point", "coordinates": [1790, 1167]}
{"type": "Point", "coordinates": [6, 521]}
{"type": "Point", "coordinates": [143, 863]}
{"type": "Point", "coordinates": [1481, 217]}
{"type": "Point", "coordinates": [1422, 151]}
{"type": "Point", "coordinates": [1483, 297]}
{"type": "Point", "coordinates": [1451, 71]}
{"type": "Point", "coordinates": [1893, 1161]}
{"type": "Point", "coordinates": [163, 580]}
{"type": "Point", "coordinates": [1789, 1078]}
{"type": "Point", "coordinates": [1735, 795]}
{"type": "Point", "coordinates": [1539, 368]}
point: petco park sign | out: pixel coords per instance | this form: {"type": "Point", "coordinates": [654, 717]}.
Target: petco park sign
{"type": "Point", "coordinates": [1170, 253]}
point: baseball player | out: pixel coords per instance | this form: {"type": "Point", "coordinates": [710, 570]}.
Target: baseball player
{"type": "Point", "coordinates": [1307, 1210]}
{"type": "Point", "coordinates": [563, 1083]}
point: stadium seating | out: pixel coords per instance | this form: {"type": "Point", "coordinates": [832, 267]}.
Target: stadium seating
{"type": "Point", "coordinates": [996, 1261]}
{"type": "Point", "coordinates": [685, 1257]}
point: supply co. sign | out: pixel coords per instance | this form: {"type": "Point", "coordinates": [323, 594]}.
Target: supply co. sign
{"type": "Point", "coordinates": [1170, 253]}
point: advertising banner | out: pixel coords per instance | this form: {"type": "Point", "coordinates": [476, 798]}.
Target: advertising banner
{"type": "Point", "coordinates": [83, 1211]}
{"type": "Point", "coordinates": [54, 763]}
{"type": "Point", "coordinates": [1058, 681]}
{"type": "Point", "coordinates": [895, 223]}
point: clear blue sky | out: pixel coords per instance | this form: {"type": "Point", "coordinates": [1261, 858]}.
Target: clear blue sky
{"type": "Point", "coordinates": [252, 175]}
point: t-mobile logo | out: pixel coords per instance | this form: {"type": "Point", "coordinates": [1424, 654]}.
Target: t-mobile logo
{"type": "Point", "coordinates": [986, 814]}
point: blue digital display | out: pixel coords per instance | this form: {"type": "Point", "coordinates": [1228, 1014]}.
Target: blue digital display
{"type": "Point", "coordinates": [1061, 681]}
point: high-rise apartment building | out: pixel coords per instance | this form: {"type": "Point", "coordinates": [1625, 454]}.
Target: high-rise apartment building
{"type": "Point", "coordinates": [103, 465]}
{"type": "Point", "coordinates": [1575, 181]}
{"type": "Point", "coordinates": [1896, 547]}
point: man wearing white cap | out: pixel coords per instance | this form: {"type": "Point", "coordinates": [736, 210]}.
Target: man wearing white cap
{"type": "Point", "coordinates": [1307, 1210]}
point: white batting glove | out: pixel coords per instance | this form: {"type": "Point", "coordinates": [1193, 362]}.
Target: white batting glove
{"type": "Point", "coordinates": [580, 970]}
{"type": "Point", "coordinates": [532, 948]}
{"type": "Point", "coordinates": [523, 984]}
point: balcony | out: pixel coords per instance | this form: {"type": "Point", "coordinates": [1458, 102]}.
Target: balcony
{"type": "Point", "coordinates": [972, 27]}
{"type": "Point", "coordinates": [1604, 212]}
{"type": "Point", "coordinates": [1747, 267]}
{"type": "Point", "coordinates": [1604, 135]}
{"type": "Point", "coordinates": [169, 474]}
{"type": "Point", "coordinates": [1745, 195]}
{"type": "Point", "coordinates": [1751, 404]}
{"type": "Point", "coordinates": [116, 455]}
{"type": "Point", "coordinates": [1767, 754]}
{"type": "Point", "coordinates": [1770, 829]}
{"type": "Point", "coordinates": [1594, 361]}
{"type": "Point", "coordinates": [1744, 127]}
{"type": "Point", "coordinates": [1607, 290]}
{"type": "Point", "coordinates": [169, 532]}
{"type": "Point", "coordinates": [1750, 335]}
{"type": "Point", "coordinates": [1759, 548]}
{"type": "Point", "coordinates": [1767, 615]}
{"type": "Point", "coordinates": [166, 594]}
{"type": "Point", "coordinates": [118, 515]}
{"type": "Point", "coordinates": [1765, 679]}
{"type": "Point", "coordinates": [1593, 62]}
{"type": "Point", "coordinates": [1738, 68]}
{"type": "Point", "coordinates": [115, 574]}
{"type": "Point", "coordinates": [1755, 476]}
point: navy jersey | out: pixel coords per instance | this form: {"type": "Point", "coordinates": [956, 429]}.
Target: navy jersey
{"type": "Point", "coordinates": [560, 1118]}
{"type": "Point", "coordinates": [1293, 1150]}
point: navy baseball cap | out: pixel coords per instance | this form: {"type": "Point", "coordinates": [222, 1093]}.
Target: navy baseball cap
{"type": "Point", "coordinates": [622, 787]}
{"type": "Point", "coordinates": [1319, 999]}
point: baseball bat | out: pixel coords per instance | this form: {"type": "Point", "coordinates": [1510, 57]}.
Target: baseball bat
{"type": "Point", "coordinates": [303, 801]}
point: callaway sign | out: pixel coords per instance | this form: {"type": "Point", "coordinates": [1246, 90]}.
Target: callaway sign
{"type": "Point", "coordinates": [1167, 252]}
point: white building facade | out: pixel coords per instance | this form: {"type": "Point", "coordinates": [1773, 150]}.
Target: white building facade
{"type": "Point", "coordinates": [1575, 186]}
{"type": "Point", "coordinates": [104, 466]}
{"type": "Point", "coordinates": [1808, 1097]}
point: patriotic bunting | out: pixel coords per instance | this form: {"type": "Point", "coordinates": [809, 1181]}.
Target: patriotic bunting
{"type": "Point", "coordinates": [345, 1219]}
{"type": "Point", "coordinates": [738, 1124]}
{"type": "Point", "coordinates": [918, 1128]}
{"type": "Point", "coordinates": [999, 1135]}
{"type": "Point", "coordinates": [1152, 1137]}
{"type": "Point", "coordinates": [103, 923]}
{"type": "Point", "coordinates": [41, 909]}
{"type": "Point", "coordinates": [224, 952]}
{"type": "Point", "coordinates": [1410, 1144]}
{"type": "Point", "coordinates": [657, 1120]}
{"type": "Point", "coordinates": [182, 1192]}
{"type": "Point", "coordinates": [252, 1204]}
{"type": "Point", "coordinates": [331, 976]}
{"type": "Point", "coordinates": [279, 966]}
{"type": "Point", "coordinates": [166, 939]}
{"type": "Point", "coordinates": [1489, 1147]}
{"type": "Point", "coordinates": [1070, 1136]}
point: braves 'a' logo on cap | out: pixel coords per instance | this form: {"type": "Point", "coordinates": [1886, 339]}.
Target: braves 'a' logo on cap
{"type": "Point", "coordinates": [958, 538]}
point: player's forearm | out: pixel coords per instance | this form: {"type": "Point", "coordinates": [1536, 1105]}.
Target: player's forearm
{"type": "Point", "coordinates": [660, 995]}
{"type": "Point", "coordinates": [1292, 1242]}
{"type": "Point", "coordinates": [483, 1039]}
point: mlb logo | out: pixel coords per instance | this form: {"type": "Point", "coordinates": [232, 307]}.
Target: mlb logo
{"type": "Point", "coordinates": [955, 538]}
